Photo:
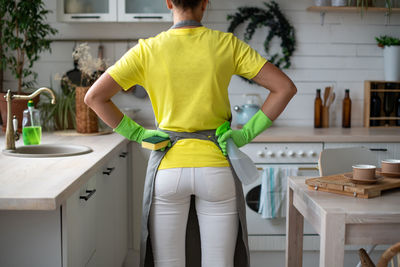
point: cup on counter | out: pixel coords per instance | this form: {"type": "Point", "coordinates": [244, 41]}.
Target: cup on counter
{"type": "Point", "coordinates": [391, 166]}
{"type": "Point", "coordinates": [364, 172]}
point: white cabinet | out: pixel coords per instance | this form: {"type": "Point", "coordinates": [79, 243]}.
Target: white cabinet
{"type": "Point", "coordinates": [113, 10]}
{"type": "Point", "coordinates": [112, 213]}
{"type": "Point", "coordinates": [79, 225]}
{"type": "Point", "coordinates": [90, 229]}
{"type": "Point", "coordinates": [86, 10]}
{"type": "Point", "coordinates": [381, 150]}
{"type": "Point", "coordinates": [121, 208]}
{"type": "Point", "coordinates": [139, 10]}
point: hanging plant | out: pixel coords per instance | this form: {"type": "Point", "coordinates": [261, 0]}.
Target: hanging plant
{"type": "Point", "coordinates": [278, 25]}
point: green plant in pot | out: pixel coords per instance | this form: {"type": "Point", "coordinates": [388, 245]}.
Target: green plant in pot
{"type": "Point", "coordinates": [61, 115]}
{"type": "Point", "coordinates": [391, 56]}
{"type": "Point", "coordinates": [364, 4]}
{"type": "Point", "coordinates": [24, 38]}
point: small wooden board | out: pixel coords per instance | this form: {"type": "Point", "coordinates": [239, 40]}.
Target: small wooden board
{"type": "Point", "coordinates": [338, 184]}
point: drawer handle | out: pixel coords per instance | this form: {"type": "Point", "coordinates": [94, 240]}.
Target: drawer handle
{"type": "Point", "coordinates": [123, 154]}
{"type": "Point", "coordinates": [300, 169]}
{"type": "Point", "coordinates": [109, 171]}
{"type": "Point", "coordinates": [378, 149]}
{"type": "Point", "coordinates": [90, 193]}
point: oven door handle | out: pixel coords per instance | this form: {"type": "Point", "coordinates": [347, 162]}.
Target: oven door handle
{"type": "Point", "coordinates": [309, 168]}
{"type": "Point", "coordinates": [301, 168]}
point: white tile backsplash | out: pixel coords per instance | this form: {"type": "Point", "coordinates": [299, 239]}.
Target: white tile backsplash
{"type": "Point", "coordinates": [341, 53]}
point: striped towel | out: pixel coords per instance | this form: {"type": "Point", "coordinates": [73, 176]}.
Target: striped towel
{"type": "Point", "coordinates": [273, 191]}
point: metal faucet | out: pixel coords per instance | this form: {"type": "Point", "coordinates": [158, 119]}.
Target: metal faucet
{"type": "Point", "coordinates": [10, 131]}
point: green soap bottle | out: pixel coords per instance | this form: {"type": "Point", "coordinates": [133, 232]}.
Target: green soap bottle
{"type": "Point", "coordinates": [31, 129]}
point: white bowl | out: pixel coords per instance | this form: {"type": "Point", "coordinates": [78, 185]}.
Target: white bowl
{"type": "Point", "coordinates": [397, 161]}
{"type": "Point", "coordinates": [364, 166]}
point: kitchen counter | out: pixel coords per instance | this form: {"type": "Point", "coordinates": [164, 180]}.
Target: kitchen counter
{"type": "Point", "coordinates": [308, 134]}
{"type": "Point", "coordinates": [45, 183]}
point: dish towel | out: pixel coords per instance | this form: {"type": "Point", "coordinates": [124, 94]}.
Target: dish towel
{"type": "Point", "coordinates": [273, 191]}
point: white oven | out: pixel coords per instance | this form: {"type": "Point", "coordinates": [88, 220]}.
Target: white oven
{"type": "Point", "coordinates": [269, 234]}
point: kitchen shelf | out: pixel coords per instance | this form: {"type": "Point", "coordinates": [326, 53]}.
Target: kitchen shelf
{"type": "Point", "coordinates": [352, 9]}
{"type": "Point", "coordinates": [388, 89]}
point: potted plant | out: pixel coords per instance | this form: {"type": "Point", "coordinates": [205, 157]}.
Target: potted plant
{"type": "Point", "coordinates": [391, 56]}
{"type": "Point", "coordinates": [61, 115]}
{"type": "Point", "coordinates": [364, 4]}
{"type": "Point", "coordinates": [24, 37]}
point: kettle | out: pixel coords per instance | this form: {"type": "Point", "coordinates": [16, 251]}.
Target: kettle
{"type": "Point", "coordinates": [246, 111]}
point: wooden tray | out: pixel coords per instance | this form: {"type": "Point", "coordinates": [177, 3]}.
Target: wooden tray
{"type": "Point", "coordinates": [338, 184]}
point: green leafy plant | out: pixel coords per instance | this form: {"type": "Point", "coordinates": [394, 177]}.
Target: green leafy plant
{"type": "Point", "coordinates": [24, 38]}
{"type": "Point", "coordinates": [2, 59]}
{"type": "Point", "coordinates": [278, 25]}
{"type": "Point", "coordinates": [385, 40]}
{"type": "Point", "coordinates": [61, 115]}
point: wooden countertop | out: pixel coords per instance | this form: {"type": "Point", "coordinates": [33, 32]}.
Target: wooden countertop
{"type": "Point", "coordinates": [278, 134]}
{"type": "Point", "coordinates": [45, 183]}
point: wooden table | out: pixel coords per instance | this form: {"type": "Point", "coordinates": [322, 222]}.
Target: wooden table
{"type": "Point", "coordinates": [339, 220]}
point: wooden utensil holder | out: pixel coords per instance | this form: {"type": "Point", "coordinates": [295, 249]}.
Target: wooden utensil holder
{"type": "Point", "coordinates": [325, 117]}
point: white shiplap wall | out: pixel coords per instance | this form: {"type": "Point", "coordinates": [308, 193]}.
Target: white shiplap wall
{"type": "Point", "coordinates": [342, 53]}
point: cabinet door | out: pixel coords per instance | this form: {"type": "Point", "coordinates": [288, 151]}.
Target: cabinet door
{"type": "Point", "coordinates": [121, 207]}
{"type": "Point", "coordinates": [105, 219]}
{"type": "Point", "coordinates": [381, 150]}
{"type": "Point", "coordinates": [111, 213]}
{"type": "Point", "coordinates": [143, 11]}
{"type": "Point", "coordinates": [87, 10]}
{"type": "Point", "coordinates": [79, 225]}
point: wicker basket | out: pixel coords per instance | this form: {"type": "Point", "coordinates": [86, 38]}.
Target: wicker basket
{"type": "Point", "coordinates": [86, 119]}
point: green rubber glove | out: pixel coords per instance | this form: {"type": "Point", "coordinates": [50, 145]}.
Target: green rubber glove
{"type": "Point", "coordinates": [133, 131]}
{"type": "Point", "coordinates": [256, 125]}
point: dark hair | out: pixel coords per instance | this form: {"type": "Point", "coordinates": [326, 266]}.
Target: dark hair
{"type": "Point", "coordinates": [186, 4]}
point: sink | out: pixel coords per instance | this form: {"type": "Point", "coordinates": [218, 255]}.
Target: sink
{"type": "Point", "coordinates": [48, 150]}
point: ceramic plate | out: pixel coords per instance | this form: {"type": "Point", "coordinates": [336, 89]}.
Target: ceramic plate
{"type": "Point", "coordinates": [349, 176]}
{"type": "Point", "coordinates": [388, 174]}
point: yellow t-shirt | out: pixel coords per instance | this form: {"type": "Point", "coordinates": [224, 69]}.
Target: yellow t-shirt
{"type": "Point", "coordinates": [186, 73]}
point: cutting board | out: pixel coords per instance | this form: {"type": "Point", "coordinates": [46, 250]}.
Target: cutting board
{"type": "Point", "coordinates": [338, 184]}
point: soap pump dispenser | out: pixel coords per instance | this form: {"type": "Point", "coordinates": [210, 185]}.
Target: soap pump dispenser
{"type": "Point", "coordinates": [31, 127]}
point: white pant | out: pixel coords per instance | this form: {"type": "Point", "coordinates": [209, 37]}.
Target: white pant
{"type": "Point", "coordinates": [214, 189]}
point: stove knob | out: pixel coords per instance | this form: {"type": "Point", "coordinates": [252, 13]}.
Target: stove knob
{"type": "Point", "coordinates": [260, 154]}
{"type": "Point", "coordinates": [312, 153]}
{"type": "Point", "coordinates": [301, 153]}
{"type": "Point", "coordinates": [291, 153]}
{"type": "Point", "coordinates": [270, 154]}
{"type": "Point", "coordinates": [281, 153]}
